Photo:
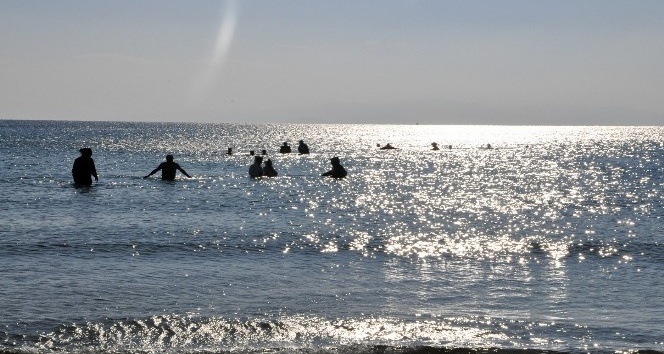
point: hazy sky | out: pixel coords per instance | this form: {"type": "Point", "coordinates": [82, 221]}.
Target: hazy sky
{"type": "Point", "coordinates": [382, 61]}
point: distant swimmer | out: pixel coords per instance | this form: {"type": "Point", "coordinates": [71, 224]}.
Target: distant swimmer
{"type": "Point", "coordinates": [263, 152]}
{"type": "Point", "coordinates": [268, 169]}
{"type": "Point", "coordinates": [337, 170]}
{"type": "Point", "coordinates": [434, 146]}
{"type": "Point", "coordinates": [303, 148]}
{"type": "Point", "coordinates": [387, 146]}
{"type": "Point", "coordinates": [230, 151]}
{"type": "Point", "coordinates": [84, 168]}
{"type": "Point", "coordinates": [488, 146]}
{"type": "Point", "coordinates": [168, 169]}
{"type": "Point", "coordinates": [285, 149]}
{"type": "Point", "coordinates": [255, 170]}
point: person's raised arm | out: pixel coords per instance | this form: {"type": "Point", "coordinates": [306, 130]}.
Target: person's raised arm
{"type": "Point", "coordinates": [153, 172]}
{"type": "Point", "coordinates": [183, 171]}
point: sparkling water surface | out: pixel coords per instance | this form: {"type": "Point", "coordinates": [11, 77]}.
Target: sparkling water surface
{"type": "Point", "coordinates": [550, 240]}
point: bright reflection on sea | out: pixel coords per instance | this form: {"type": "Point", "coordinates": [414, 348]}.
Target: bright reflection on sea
{"type": "Point", "coordinates": [500, 193]}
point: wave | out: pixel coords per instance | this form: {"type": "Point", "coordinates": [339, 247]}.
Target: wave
{"type": "Point", "coordinates": [307, 334]}
{"type": "Point", "coordinates": [377, 349]}
{"type": "Point", "coordinates": [403, 246]}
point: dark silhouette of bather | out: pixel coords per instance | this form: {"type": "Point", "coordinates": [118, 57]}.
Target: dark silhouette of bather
{"type": "Point", "coordinates": [255, 170]}
{"type": "Point", "coordinates": [285, 149]}
{"type": "Point", "coordinates": [337, 170]}
{"type": "Point", "coordinates": [168, 169]}
{"type": "Point", "coordinates": [268, 169]}
{"type": "Point", "coordinates": [387, 146]}
{"type": "Point", "coordinates": [84, 168]}
{"type": "Point", "coordinates": [435, 146]}
{"type": "Point", "coordinates": [303, 148]}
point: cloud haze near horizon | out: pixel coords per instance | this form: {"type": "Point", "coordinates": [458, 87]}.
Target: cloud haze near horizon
{"type": "Point", "coordinates": [311, 61]}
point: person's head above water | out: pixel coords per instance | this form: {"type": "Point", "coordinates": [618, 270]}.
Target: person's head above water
{"type": "Point", "coordinates": [85, 151]}
{"type": "Point", "coordinates": [268, 162]}
{"type": "Point", "coordinates": [258, 159]}
{"type": "Point", "coordinates": [335, 161]}
{"type": "Point", "coordinates": [169, 158]}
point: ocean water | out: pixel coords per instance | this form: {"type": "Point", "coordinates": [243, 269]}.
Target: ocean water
{"type": "Point", "coordinates": [550, 241]}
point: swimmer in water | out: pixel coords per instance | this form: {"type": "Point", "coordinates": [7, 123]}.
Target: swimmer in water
{"type": "Point", "coordinates": [285, 149]}
{"type": "Point", "coordinates": [255, 170]}
{"type": "Point", "coordinates": [268, 169]}
{"type": "Point", "coordinates": [303, 148]}
{"type": "Point", "coordinates": [337, 170]}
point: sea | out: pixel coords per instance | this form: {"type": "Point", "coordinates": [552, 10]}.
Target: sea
{"type": "Point", "coordinates": [508, 239]}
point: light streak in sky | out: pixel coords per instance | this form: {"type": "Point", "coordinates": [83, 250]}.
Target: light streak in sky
{"type": "Point", "coordinates": [211, 73]}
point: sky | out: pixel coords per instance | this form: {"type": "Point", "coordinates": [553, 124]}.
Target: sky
{"type": "Point", "coordinates": [524, 62]}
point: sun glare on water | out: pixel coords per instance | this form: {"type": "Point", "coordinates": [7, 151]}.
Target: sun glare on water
{"type": "Point", "coordinates": [221, 49]}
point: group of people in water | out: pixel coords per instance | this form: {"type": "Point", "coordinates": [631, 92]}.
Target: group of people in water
{"type": "Point", "coordinates": [84, 167]}
{"type": "Point", "coordinates": [434, 146]}
{"type": "Point", "coordinates": [302, 148]}
{"type": "Point", "coordinates": [267, 170]}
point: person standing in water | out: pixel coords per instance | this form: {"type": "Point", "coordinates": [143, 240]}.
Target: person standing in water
{"type": "Point", "coordinates": [268, 169]}
{"type": "Point", "coordinates": [168, 169]}
{"type": "Point", "coordinates": [255, 170]}
{"type": "Point", "coordinates": [337, 170]}
{"type": "Point", "coordinates": [84, 168]}
{"type": "Point", "coordinates": [285, 149]}
{"type": "Point", "coordinates": [303, 148]}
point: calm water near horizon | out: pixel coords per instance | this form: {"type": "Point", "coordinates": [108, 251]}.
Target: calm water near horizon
{"type": "Point", "coordinates": [553, 240]}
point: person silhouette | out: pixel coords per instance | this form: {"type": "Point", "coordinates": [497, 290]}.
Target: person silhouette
{"type": "Point", "coordinates": [168, 169]}
{"type": "Point", "coordinates": [337, 170]}
{"type": "Point", "coordinates": [285, 149]}
{"type": "Point", "coordinates": [84, 168]}
{"type": "Point", "coordinates": [435, 146]}
{"type": "Point", "coordinates": [255, 170]}
{"type": "Point", "coordinates": [268, 169]}
{"type": "Point", "coordinates": [303, 148]}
